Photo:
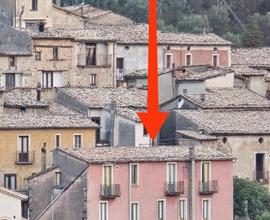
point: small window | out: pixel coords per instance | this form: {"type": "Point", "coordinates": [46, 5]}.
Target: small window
{"type": "Point", "coordinates": [57, 141]}
{"type": "Point", "coordinates": [103, 211]}
{"type": "Point", "coordinates": [168, 61]}
{"type": "Point", "coordinates": [38, 55]}
{"type": "Point", "coordinates": [10, 181]}
{"type": "Point", "coordinates": [171, 173]}
{"type": "Point", "coordinates": [261, 140]}
{"type": "Point", "coordinates": [206, 209]}
{"type": "Point", "coordinates": [34, 5]}
{"type": "Point", "coordinates": [134, 175]}
{"type": "Point", "coordinates": [77, 140]}
{"type": "Point", "coordinates": [188, 60]}
{"type": "Point", "coordinates": [55, 53]}
{"type": "Point", "coordinates": [58, 178]}
{"type": "Point", "coordinates": [205, 173]}
{"type": "Point", "coordinates": [93, 80]}
{"type": "Point", "coordinates": [224, 140]}
{"type": "Point", "coordinates": [215, 60]}
{"type": "Point", "coordinates": [184, 91]}
{"type": "Point", "coordinates": [107, 175]}
{"type": "Point", "coordinates": [145, 133]}
{"type": "Point", "coordinates": [161, 210]}
{"type": "Point", "coordinates": [47, 80]}
{"type": "Point", "coordinates": [134, 211]}
{"type": "Point", "coordinates": [90, 54]}
{"type": "Point", "coordinates": [183, 209]}
{"type": "Point", "coordinates": [120, 63]}
{"type": "Point", "coordinates": [12, 61]}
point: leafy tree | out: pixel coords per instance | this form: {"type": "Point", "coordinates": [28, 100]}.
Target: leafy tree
{"type": "Point", "coordinates": [193, 24]}
{"type": "Point", "coordinates": [265, 216]}
{"type": "Point", "coordinates": [257, 196]}
{"type": "Point", "coordinates": [253, 37]}
{"type": "Point", "coordinates": [234, 38]}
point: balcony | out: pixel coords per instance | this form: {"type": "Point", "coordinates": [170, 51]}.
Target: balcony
{"type": "Point", "coordinates": [110, 192]}
{"type": "Point", "coordinates": [208, 188]}
{"type": "Point", "coordinates": [261, 177]}
{"type": "Point", "coordinates": [174, 189]}
{"type": "Point", "coordinates": [99, 61]}
{"type": "Point", "coordinates": [24, 158]}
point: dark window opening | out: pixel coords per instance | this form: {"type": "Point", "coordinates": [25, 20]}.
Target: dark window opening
{"type": "Point", "coordinates": [215, 60]}
{"type": "Point", "coordinates": [90, 54]}
{"type": "Point", "coordinates": [78, 141]}
{"type": "Point", "coordinates": [12, 61]}
{"type": "Point", "coordinates": [188, 60]}
{"type": "Point", "coordinates": [120, 63]}
{"type": "Point", "coordinates": [93, 79]}
{"type": "Point", "coordinates": [10, 181]}
{"type": "Point", "coordinates": [10, 80]}
{"type": "Point", "coordinates": [47, 80]}
{"type": "Point", "coordinates": [260, 166]}
{"type": "Point", "coordinates": [37, 55]}
{"type": "Point", "coordinates": [145, 133]}
{"type": "Point", "coordinates": [168, 61]}
{"type": "Point", "coordinates": [55, 53]}
{"type": "Point", "coordinates": [24, 148]}
{"type": "Point", "coordinates": [97, 121]}
{"type": "Point", "coordinates": [34, 5]}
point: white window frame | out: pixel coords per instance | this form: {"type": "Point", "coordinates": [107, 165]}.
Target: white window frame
{"type": "Point", "coordinates": [107, 209]}
{"type": "Point", "coordinates": [74, 140]}
{"type": "Point", "coordinates": [209, 208]}
{"type": "Point", "coordinates": [210, 170]}
{"type": "Point", "coordinates": [185, 208]}
{"type": "Point", "coordinates": [103, 173]}
{"type": "Point", "coordinates": [138, 168]}
{"type": "Point", "coordinates": [168, 54]}
{"type": "Point", "coordinates": [60, 140]}
{"type": "Point", "coordinates": [167, 178]}
{"type": "Point", "coordinates": [191, 59]}
{"type": "Point", "coordinates": [91, 76]}
{"type": "Point", "coordinates": [18, 141]}
{"type": "Point", "coordinates": [217, 55]}
{"type": "Point", "coordinates": [138, 214]}
{"type": "Point", "coordinates": [164, 208]}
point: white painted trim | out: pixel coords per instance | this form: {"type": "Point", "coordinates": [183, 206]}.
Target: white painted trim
{"type": "Point", "coordinates": [138, 173]}
{"type": "Point", "coordinates": [81, 139]}
{"type": "Point", "coordinates": [107, 209]}
{"type": "Point", "coordinates": [165, 62]}
{"type": "Point", "coordinates": [191, 59]}
{"type": "Point", "coordinates": [138, 209]}
{"type": "Point", "coordinates": [218, 61]}
{"type": "Point", "coordinates": [209, 208]}
{"type": "Point", "coordinates": [167, 178]}
{"type": "Point", "coordinates": [29, 141]}
{"type": "Point", "coordinates": [60, 140]}
{"type": "Point", "coordinates": [165, 208]}
{"type": "Point", "coordinates": [210, 169]}
{"type": "Point", "coordinates": [186, 208]}
{"type": "Point", "coordinates": [103, 173]}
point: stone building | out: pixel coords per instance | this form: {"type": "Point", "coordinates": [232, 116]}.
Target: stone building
{"type": "Point", "coordinates": [168, 182]}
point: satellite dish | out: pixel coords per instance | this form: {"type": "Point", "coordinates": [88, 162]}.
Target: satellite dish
{"type": "Point", "coordinates": [180, 103]}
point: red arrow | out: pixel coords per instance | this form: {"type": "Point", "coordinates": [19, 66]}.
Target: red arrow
{"type": "Point", "coordinates": [153, 119]}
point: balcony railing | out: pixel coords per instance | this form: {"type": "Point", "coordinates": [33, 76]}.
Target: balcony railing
{"type": "Point", "coordinates": [261, 177]}
{"type": "Point", "coordinates": [24, 158]}
{"type": "Point", "coordinates": [110, 192]}
{"type": "Point", "coordinates": [99, 60]}
{"type": "Point", "coordinates": [208, 188]}
{"type": "Point", "coordinates": [174, 188]}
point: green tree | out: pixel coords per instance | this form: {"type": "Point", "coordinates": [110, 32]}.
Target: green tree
{"type": "Point", "coordinates": [193, 24]}
{"type": "Point", "coordinates": [265, 216]}
{"type": "Point", "coordinates": [253, 37]}
{"type": "Point", "coordinates": [234, 38]}
{"type": "Point", "coordinates": [257, 196]}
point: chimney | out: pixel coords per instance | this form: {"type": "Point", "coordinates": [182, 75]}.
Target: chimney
{"type": "Point", "coordinates": [191, 183]}
{"type": "Point", "coordinates": [38, 92]}
{"type": "Point", "coordinates": [43, 158]}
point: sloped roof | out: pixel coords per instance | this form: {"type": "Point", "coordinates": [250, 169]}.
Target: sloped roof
{"type": "Point", "coordinates": [196, 135]}
{"type": "Point", "coordinates": [145, 154]}
{"type": "Point", "coordinates": [242, 71]}
{"type": "Point", "coordinates": [12, 193]}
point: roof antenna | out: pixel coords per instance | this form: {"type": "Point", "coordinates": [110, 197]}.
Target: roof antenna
{"type": "Point", "coordinates": [82, 7]}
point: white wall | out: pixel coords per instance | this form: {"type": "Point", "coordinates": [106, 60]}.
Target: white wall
{"type": "Point", "coordinates": [226, 81]}
{"type": "Point", "coordinates": [10, 207]}
{"type": "Point", "coordinates": [140, 139]}
{"type": "Point", "coordinates": [257, 84]}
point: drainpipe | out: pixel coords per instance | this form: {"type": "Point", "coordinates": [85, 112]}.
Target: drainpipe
{"type": "Point", "coordinates": [129, 191]}
{"type": "Point", "coordinates": [192, 184]}
{"type": "Point", "coordinates": [113, 113]}
{"type": "Point", "coordinates": [20, 18]}
{"type": "Point", "coordinates": [43, 157]}
{"type": "Point", "coordinates": [113, 58]}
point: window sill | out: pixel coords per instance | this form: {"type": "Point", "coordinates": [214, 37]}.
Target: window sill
{"type": "Point", "coordinates": [24, 163]}
{"type": "Point", "coordinates": [94, 66]}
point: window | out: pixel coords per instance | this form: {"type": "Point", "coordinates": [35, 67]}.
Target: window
{"type": "Point", "coordinates": [206, 209]}
{"type": "Point", "coordinates": [120, 63]}
{"type": "Point", "coordinates": [205, 172]}
{"type": "Point", "coordinates": [10, 80]}
{"type": "Point", "coordinates": [171, 173]}
{"type": "Point", "coordinates": [107, 175]}
{"type": "Point", "coordinates": [161, 210]}
{"type": "Point", "coordinates": [90, 54]}
{"type": "Point", "coordinates": [93, 79]}
{"type": "Point", "coordinates": [38, 55]}
{"type": "Point", "coordinates": [47, 79]}
{"type": "Point", "coordinates": [12, 61]}
{"type": "Point", "coordinates": [188, 60]}
{"type": "Point", "coordinates": [259, 166]}
{"type": "Point", "coordinates": [215, 60]}
{"type": "Point", "coordinates": [103, 211]}
{"type": "Point", "coordinates": [134, 174]}
{"type": "Point", "coordinates": [55, 53]}
{"type": "Point", "coordinates": [23, 148]}
{"type": "Point", "coordinates": [10, 181]}
{"type": "Point", "coordinates": [57, 141]}
{"type": "Point", "coordinates": [145, 133]}
{"type": "Point", "coordinates": [168, 61]}
{"type": "Point", "coordinates": [134, 214]}
{"type": "Point", "coordinates": [58, 178]}
{"type": "Point", "coordinates": [34, 5]}
{"type": "Point", "coordinates": [77, 140]}
{"type": "Point", "coordinates": [97, 121]}
{"type": "Point", "coordinates": [183, 209]}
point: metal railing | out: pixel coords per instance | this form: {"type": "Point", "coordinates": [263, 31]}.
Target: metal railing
{"type": "Point", "coordinates": [99, 60]}
{"type": "Point", "coordinates": [174, 188]}
{"type": "Point", "coordinates": [261, 177]}
{"type": "Point", "coordinates": [208, 188]}
{"type": "Point", "coordinates": [110, 192]}
{"type": "Point", "coordinates": [24, 158]}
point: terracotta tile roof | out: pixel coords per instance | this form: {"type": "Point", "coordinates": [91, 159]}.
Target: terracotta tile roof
{"type": "Point", "coordinates": [129, 113]}
{"type": "Point", "coordinates": [232, 122]}
{"type": "Point", "coordinates": [143, 73]}
{"type": "Point", "coordinates": [102, 97]}
{"type": "Point", "coordinates": [12, 193]}
{"type": "Point", "coordinates": [251, 56]}
{"type": "Point", "coordinates": [196, 135]}
{"type": "Point", "coordinates": [242, 71]}
{"type": "Point", "coordinates": [200, 73]}
{"type": "Point", "coordinates": [228, 98]}
{"type": "Point", "coordinates": [145, 154]}
{"type": "Point", "coordinates": [138, 34]}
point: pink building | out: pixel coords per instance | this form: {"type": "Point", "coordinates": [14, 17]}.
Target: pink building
{"type": "Point", "coordinates": [163, 183]}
